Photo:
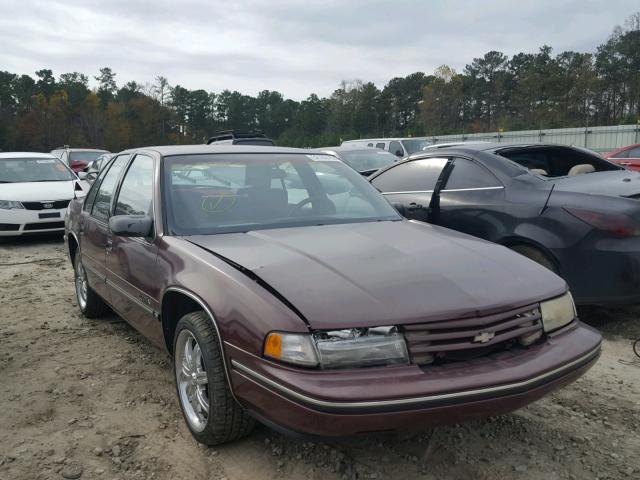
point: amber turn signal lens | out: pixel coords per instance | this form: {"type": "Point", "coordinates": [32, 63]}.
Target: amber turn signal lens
{"type": "Point", "coordinates": [273, 345]}
{"type": "Point", "coordinates": [296, 348]}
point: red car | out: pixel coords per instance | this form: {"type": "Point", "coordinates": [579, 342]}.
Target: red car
{"type": "Point", "coordinates": [78, 158]}
{"type": "Point", "coordinates": [626, 156]}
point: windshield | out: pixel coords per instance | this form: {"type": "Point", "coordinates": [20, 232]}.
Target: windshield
{"type": "Point", "coordinates": [415, 145]}
{"type": "Point", "coordinates": [85, 156]}
{"type": "Point", "coordinates": [207, 194]}
{"type": "Point", "coordinates": [17, 170]}
{"type": "Point", "coordinates": [365, 160]}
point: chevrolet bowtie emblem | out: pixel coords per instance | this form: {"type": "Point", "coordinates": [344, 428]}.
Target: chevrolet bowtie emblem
{"type": "Point", "coordinates": [483, 337]}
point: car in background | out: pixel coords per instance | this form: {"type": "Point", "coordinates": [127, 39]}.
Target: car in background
{"type": "Point", "coordinates": [77, 158]}
{"type": "Point", "coordinates": [316, 298]}
{"type": "Point", "coordinates": [566, 208]}
{"type": "Point", "coordinates": [400, 147]}
{"type": "Point", "coordinates": [628, 157]}
{"type": "Point", "coordinates": [237, 137]}
{"type": "Point", "coordinates": [94, 167]}
{"type": "Point", "coordinates": [365, 161]}
{"type": "Point", "coordinates": [35, 189]}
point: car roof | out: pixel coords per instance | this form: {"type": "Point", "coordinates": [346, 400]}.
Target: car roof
{"type": "Point", "coordinates": [497, 146]}
{"type": "Point", "coordinates": [86, 150]}
{"type": "Point", "coordinates": [169, 150]}
{"type": "Point", "coordinates": [5, 155]}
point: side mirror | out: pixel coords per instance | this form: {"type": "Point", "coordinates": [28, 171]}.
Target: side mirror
{"type": "Point", "coordinates": [131, 225]}
{"type": "Point", "coordinates": [91, 176]}
{"type": "Point", "coordinates": [82, 175]}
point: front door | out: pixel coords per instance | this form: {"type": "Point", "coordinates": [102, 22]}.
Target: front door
{"type": "Point", "coordinates": [409, 186]}
{"type": "Point", "coordinates": [131, 261]}
{"type": "Point", "coordinates": [472, 201]}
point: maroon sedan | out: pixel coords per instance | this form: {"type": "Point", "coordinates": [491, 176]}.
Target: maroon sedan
{"type": "Point", "coordinates": [626, 156]}
{"type": "Point", "coordinates": [288, 290]}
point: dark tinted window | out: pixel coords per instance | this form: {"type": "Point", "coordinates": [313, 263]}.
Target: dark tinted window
{"type": "Point", "coordinates": [136, 192]}
{"type": "Point", "coordinates": [467, 174]}
{"type": "Point", "coordinates": [415, 176]}
{"type": "Point", "coordinates": [380, 145]}
{"type": "Point", "coordinates": [396, 149]}
{"type": "Point", "coordinates": [102, 205]}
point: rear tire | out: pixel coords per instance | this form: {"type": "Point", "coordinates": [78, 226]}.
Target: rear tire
{"type": "Point", "coordinates": [211, 413]}
{"type": "Point", "coordinates": [90, 303]}
{"type": "Point", "coordinates": [537, 256]}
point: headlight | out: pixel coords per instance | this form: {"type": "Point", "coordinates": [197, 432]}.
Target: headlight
{"type": "Point", "coordinates": [359, 347]}
{"type": "Point", "coordinates": [10, 205]}
{"type": "Point", "coordinates": [557, 312]}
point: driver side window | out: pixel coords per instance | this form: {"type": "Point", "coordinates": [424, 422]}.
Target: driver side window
{"type": "Point", "coordinates": [136, 193]}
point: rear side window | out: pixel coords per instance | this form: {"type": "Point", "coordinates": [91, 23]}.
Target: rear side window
{"type": "Point", "coordinates": [102, 205]}
{"type": "Point", "coordinates": [634, 153]}
{"type": "Point", "coordinates": [136, 192]}
{"type": "Point", "coordinates": [396, 149]}
{"type": "Point", "coordinates": [380, 145]}
{"type": "Point", "coordinates": [415, 176]}
{"type": "Point", "coordinates": [467, 174]}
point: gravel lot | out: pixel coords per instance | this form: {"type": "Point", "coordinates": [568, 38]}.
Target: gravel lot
{"type": "Point", "coordinates": [93, 399]}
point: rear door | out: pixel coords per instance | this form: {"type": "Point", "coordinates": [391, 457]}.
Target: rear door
{"type": "Point", "coordinates": [409, 186]}
{"type": "Point", "coordinates": [131, 261]}
{"type": "Point", "coordinates": [94, 229]}
{"type": "Point", "coordinates": [472, 201]}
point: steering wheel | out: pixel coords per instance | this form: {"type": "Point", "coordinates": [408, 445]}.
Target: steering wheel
{"type": "Point", "coordinates": [300, 204]}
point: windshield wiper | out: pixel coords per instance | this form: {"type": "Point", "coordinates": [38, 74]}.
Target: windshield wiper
{"type": "Point", "coordinates": [6, 181]}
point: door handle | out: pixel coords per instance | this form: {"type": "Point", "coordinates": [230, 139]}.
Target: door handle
{"type": "Point", "coordinates": [413, 206]}
{"type": "Point", "coordinates": [109, 246]}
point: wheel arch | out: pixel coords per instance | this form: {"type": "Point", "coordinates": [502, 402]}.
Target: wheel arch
{"type": "Point", "coordinates": [73, 244]}
{"type": "Point", "coordinates": [177, 302]}
{"type": "Point", "coordinates": [512, 241]}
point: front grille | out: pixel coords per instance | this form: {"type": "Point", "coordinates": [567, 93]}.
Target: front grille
{"type": "Point", "coordinates": [456, 340]}
{"type": "Point", "coordinates": [43, 225]}
{"type": "Point", "coordinates": [9, 227]}
{"type": "Point", "coordinates": [56, 204]}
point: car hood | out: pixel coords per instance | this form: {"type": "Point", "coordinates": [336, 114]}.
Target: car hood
{"type": "Point", "coordinates": [37, 191]}
{"type": "Point", "coordinates": [385, 273]}
{"type": "Point", "coordinates": [623, 183]}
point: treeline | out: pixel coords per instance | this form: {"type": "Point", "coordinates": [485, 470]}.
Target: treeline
{"type": "Point", "coordinates": [526, 91]}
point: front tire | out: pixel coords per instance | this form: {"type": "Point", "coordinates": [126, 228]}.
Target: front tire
{"type": "Point", "coordinates": [209, 409]}
{"type": "Point", "coordinates": [91, 305]}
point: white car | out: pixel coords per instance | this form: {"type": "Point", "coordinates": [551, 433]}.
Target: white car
{"type": "Point", "coordinates": [35, 189]}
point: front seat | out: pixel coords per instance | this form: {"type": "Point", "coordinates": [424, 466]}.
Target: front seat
{"type": "Point", "coordinates": [580, 169]}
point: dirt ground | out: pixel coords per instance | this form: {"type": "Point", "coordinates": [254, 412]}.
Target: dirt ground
{"type": "Point", "coordinates": [95, 399]}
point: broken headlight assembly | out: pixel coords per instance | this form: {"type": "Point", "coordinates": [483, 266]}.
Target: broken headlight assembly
{"type": "Point", "coordinates": [558, 312]}
{"type": "Point", "coordinates": [334, 349]}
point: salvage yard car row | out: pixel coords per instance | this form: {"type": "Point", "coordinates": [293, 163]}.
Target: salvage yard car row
{"type": "Point", "coordinates": [285, 285]}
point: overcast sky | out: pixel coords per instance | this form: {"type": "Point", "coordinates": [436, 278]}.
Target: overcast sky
{"type": "Point", "coordinates": [295, 47]}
